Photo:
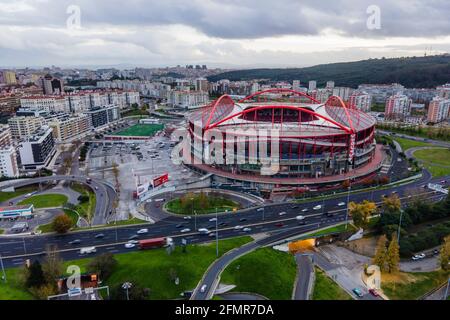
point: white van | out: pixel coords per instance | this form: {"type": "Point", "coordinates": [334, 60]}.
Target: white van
{"type": "Point", "coordinates": [88, 250]}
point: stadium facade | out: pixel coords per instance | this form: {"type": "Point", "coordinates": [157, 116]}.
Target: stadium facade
{"type": "Point", "coordinates": [316, 142]}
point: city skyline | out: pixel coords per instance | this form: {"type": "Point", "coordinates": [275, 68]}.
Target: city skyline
{"type": "Point", "coordinates": [231, 35]}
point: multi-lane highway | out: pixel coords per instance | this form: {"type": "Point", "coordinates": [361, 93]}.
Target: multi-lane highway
{"type": "Point", "coordinates": [104, 193]}
{"type": "Point", "coordinates": [15, 250]}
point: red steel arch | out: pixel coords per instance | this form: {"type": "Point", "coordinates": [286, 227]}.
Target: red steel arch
{"type": "Point", "coordinates": [218, 103]}
{"type": "Point", "coordinates": [341, 103]}
{"type": "Point", "coordinates": [346, 129]}
{"type": "Point", "coordinates": [279, 90]}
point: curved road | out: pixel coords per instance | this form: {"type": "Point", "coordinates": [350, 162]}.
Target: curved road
{"type": "Point", "coordinates": [104, 193]}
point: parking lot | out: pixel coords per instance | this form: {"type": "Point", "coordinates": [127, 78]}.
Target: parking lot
{"type": "Point", "coordinates": [138, 162]}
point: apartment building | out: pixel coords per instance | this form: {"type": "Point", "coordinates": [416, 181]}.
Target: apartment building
{"type": "Point", "coordinates": [361, 101]}
{"type": "Point", "coordinates": [101, 116]}
{"type": "Point", "coordinates": [438, 110]}
{"type": "Point", "coordinates": [397, 106]}
{"type": "Point", "coordinates": [187, 99]}
{"type": "Point", "coordinates": [22, 126]}
{"type": "Point", "coordinates": [45, 103]}
{"type": "Point", "coordinates": [37, 150]}
{"type": "Point", "coordinates": [69, 127]}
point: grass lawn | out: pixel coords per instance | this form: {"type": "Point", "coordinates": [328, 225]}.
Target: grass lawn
{"type": "Point", "coordinates": [1, 231]}
{"type": "Point", "coordinates": [151, 268]}
{"type": "Point", "coordinates": [214, 203]}
{"type": "Point", "coordinates": [127, 222]}
{"type": "Point", "coordinates": [141, 130]}
{"type": "Point", "coordinates": [5, 196]}
{"type": "Point", "coordinates": [408, 144]}
{"type": "Point", "coordinates": [435, 156]}
{"type": "Point", "coordinates": [13, 290]}
{"type": "Point", "coordinates": [45, 228]}
{"type": "Point", "coordinates": [335, 229]}
{"type": "Point", "coordinates": [410, 286]}
{"type": "Point", "coordinates": [326, 289]}
{"type": "Point", "coordinates": [438, 171]}
{"type": "Point", "coordinates": [265, 271]}
{"type": "Point", "coordinates": [46, 200]}
{"type": "Point", "coordinates": [85, 209]}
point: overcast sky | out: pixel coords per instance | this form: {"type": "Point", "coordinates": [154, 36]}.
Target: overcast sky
{"type": "Point", "coordinates": [234, 33]}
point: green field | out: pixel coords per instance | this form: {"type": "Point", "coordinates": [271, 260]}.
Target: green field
{"type": "Point", "coordinates": [46, 200]}
{"type": "Point", "coordinates": [86, 209]}
{"type": "Point", "coordinates": [5, 196]}
{"type": "Point", "coordinates": [213, 203]}
{"type": "Point", "coordinates": [44, 228]}
{"type": "Point", "coordinates": [336, 229]}
{"type": "Point", "coordinates": [326, 289]}
{"type": "Point", "coordinates": [410, 286]}
{"type": "Point", "coordinates": [408, 144]}
{"type": "Point", "coordinates": [140, 130]}
{"type": "Point", "coordinates": [434, 156]}
{"type": "Point", "coordinates": [150, 269]}
{"type": "Point", "coordinates": [265, 271]}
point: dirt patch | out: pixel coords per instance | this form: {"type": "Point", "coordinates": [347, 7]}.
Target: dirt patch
{"type": "Point", "coordinates": [399, 278]}
{"type": "Point", "coordinates": [364, 246]}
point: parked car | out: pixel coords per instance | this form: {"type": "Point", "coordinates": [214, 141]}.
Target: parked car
{"type": "Point", "coordinates": [358, 292]}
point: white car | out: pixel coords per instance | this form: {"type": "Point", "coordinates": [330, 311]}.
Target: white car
{"type": "Point", "coordinates": [134, 241]}
{"type": "Point", "coordinates": [247, 229]}
{"type": "Point", "coordinates": [238, 227]}
{"type": "Point", "coordinates": [203, 230]}
{"type": "Point", "coordinates": [129, 245]}
{"type": "Point", "coordinates": [203, 288]}
{"type": "Point", "coordinates": [185, 230]}
{"type": "Point", "coordinates": [318, 207]}
{"type": "Point", "coordinates": [142, 231]}
{"type": "Point", "coordinates": [187, 218]}
{"type": "Point", "coordinates": [282, 213]}
{"type": "Point", "coordinates": [305, 210]}
{"type": "Point", "coordinates": [341, 204]}
{"type": "Point", "coordinates": [300, 218]}
{"type": "Point", "coordinates": [421, 255]}
{"type": "Point", "coordinates": [212, 219]}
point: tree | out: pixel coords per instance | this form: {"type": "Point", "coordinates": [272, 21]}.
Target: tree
{"type": "Point", "coordinates": [346, 184]}
{"type": "Point", "coordinates": [393, 255]}
{"type": "Point", "coordinates": [361, 212]}
{"type": "Point", "coordinates": [391, 204]}
{"type": "Point", "coordinates": [52, 266]}
{"type": "Point", "coordinates": [36, 275]}
{"type": "Point", "coordinates": [44, 291]}
{"type": "Point", "coordinates": [444, 257]}
{"type": "Point", "coordinates": [103, 265]}
{"type": "Point", "coordinates": [380, 254]}
{"type": "Point", "coordinates": [62, 223]}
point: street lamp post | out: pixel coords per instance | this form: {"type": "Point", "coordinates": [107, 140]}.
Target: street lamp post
{"type": "Point", "coordinates": [3, 268]}
{"type": "Point", "coordinates": [399, 226]}
{"type": "Point", "coordinates": [446, 290]}
{"type": "Point", "coordinates": [126, 286]}
{"type": "Point", "coordinates": [217, 235]}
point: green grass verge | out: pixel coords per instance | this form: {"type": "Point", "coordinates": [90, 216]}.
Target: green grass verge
{"type": "Point", "coordinates": [408, 144]}
{"type": "Point", "coordinates": [265, 271]}
{"type": "Point", "coordinates": [140, 130]}
{"type": "Point", "coordinates": [127, 222]}
{"type": "Point", "coordinates": [46, 200]}
{"type": "Point", "coordinates": [7, 195]}
{"type": "Point", "coordinates": [151, 268]}
{"type": "Point", "coordinates": [326, 289]}
{"type": "Point", "coordinates": [2, 231]}
{"type": "Point", "coordinates": [336, 229]}
{"type": "Point", "coordinates": [410, 286]}
{"type": "Point", "coordinates": [13, 289]}
{"type": "Point", "coordinates": [437, 171]}
{"type": "Point", "coordinates": [214, 203]}
{"type": "Point", "coordinates": [434, 156]}
{"type": "Point", "coordinates": [45, 228]}
{"type": "Point", "coordinates": [86, 209]}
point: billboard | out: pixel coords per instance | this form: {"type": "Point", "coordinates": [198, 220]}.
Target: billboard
{"type": "Point", "coordinates": [160, 180]}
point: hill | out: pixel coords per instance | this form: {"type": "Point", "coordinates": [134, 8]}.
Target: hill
{"type": "Point", "coordinates": [412, 72]}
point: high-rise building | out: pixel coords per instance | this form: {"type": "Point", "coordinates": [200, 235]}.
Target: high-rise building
{"type": "Point", "coordinates": [22, 127]}
{"type": "Point", "coordinates": [201, 84]}
{"type": "Point", "coordinates": [343, 92]}
{"type": "Point", "coordinates": [8, 162]}
{"type": "Point", "coordinates": [296, 85]}
{"type": "Point", "coordinates": [312, 85]}
{"type": "Point", "coordinates": [380, 92]}
{"type": "Point", "coordinates": [397, 105]}
{"type": "Point", "coordinates": [361, 101]}
{"type": "Point", "coordinates": [69, 127]}
{"type": "Point", "coordinates": [102, 116]}
{"type": "Point", "coordinates": [38, 149]}
{"type": "Point", "coordinates": [52, 85]}
{"type": "Point", "coordinates": [45, 103]}
{"type": "Point", "coordinates": [330, 84]}
{"type": "Point", "coordinates": [186, 99]}
{"type": "Point", "coordinates": [9, 77]}
{"type": "Point", "coordinates": [438, 110]}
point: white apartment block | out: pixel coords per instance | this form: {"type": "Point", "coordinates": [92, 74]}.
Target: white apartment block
{"type": "Point", "coordinates": [22, 127]}
{"type": "Point", "coordinates": [312, 85]}
{"type": "Point", "coordinates": [70, 127]}
{"type": "Point", "coordinates": [397, 105]}
{"type": "Point", "coordinates": [361, 101]}
{"type": "Point", "coordinates": [8, 162]}
{"type": "Point", "coordinates": [343, 92]}
{"type": "Point", "coordinates": [444, 91]}
{"type": "Point", "coordinates": [45, 103]}
{"type": "Point", "coordinates": [187, 99]}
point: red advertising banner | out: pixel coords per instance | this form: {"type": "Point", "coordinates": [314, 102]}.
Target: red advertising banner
{"type": "Point", "coordinates": [160, 180]}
